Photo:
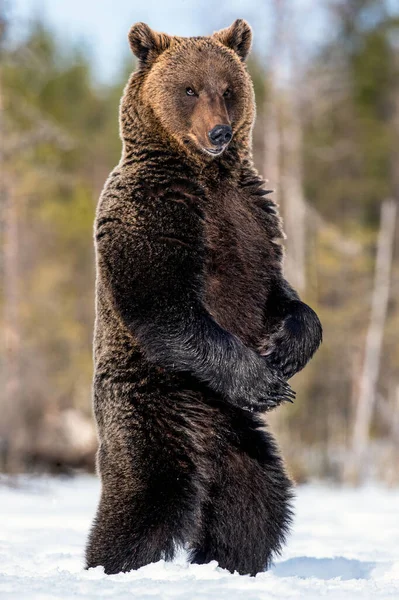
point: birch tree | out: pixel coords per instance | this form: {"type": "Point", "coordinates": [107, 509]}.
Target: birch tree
{"type": "Point", "coordinates": [372, 356]}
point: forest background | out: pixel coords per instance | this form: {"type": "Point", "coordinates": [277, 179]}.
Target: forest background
{"type": "Point", "coordinates": [326, 77]}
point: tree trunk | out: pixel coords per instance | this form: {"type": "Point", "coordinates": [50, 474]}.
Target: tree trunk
{"type": "Point", "coordinates": [292, 187]}
{"type": "Point", "coordinates": [10, 393]}
{"type": "Point", "coordinates": [371, 365]}
{"type": "Point", "coordinates": [272, 137]}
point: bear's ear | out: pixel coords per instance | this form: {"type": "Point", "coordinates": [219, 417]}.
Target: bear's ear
{"type": "Point", "coordinates": [147, 44]}
{"type": "Point", "coordinates": [238, 37]}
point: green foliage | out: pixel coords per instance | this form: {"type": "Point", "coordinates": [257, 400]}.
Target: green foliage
{"type": "Point", "coordinates": [350, 158]}
{"type": "Point", "coordinates": [66, 133]}
{"type": "Point", "coordinates": [61, 141]}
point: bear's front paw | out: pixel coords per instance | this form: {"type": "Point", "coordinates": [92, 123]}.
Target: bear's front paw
{"type": "Point", "coordinates": [281, 356]}
{"type": "Point", "coordinates": [266, 390]}
{"type": "Point", "coordinates": [278, 391]}
{"type": "Point", "coordinates": [290, 348]}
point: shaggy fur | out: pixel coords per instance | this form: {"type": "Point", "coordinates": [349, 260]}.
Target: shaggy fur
{"type": "Point", "coordinates": [196, 330]}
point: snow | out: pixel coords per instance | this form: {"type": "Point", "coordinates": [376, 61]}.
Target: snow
{"type": "Point", "coordinates": [345, 545]}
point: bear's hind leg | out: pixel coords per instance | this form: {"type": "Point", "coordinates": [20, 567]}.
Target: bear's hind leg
{"type": "Point", "coordinates": [247, 515]}
{"type": "Point", "coordinates": [140, 521]}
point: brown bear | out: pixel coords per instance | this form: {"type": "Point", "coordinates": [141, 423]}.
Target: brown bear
{"type": "Point", "coordinates": [197, 331]}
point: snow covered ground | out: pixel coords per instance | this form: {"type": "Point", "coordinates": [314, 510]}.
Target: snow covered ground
{"type": "Point", "coordinates": [345, 545]}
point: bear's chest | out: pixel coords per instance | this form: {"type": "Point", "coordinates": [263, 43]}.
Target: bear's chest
{"type": "Point", "coordinates": [237, 274]}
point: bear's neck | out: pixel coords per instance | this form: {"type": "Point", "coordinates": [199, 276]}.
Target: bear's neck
{"type": "Point", "coordinates": [144, 139]}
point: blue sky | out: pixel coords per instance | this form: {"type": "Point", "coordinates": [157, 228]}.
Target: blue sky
{"type": "Point", "coordinates": [103, 24]}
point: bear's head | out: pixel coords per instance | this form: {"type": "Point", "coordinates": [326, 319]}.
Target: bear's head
{"type": "Point", "coordinates": [197, 89]}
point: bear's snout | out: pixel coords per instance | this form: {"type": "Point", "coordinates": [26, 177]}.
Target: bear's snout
{"type": "Point", "coordinates": [220, 135]}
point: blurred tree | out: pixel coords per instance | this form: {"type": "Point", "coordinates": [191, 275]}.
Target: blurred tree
{"type": "Point", "coordinates": [327, 135]}
{"type": "Point", "coordinates": [349, 145]}
{"type": "Point", "coordinates": [349, 135]}
{"type": "Point", "coordinates": [61, 140]}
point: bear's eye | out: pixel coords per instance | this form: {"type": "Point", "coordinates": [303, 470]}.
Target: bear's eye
{"type": "Point", "coordinates": [227, 93]}
{"type": "Point", "coordinates": [190, 92]}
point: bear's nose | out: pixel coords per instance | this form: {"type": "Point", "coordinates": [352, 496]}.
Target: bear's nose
{"type": "Point", "coordinates": [220, 135]}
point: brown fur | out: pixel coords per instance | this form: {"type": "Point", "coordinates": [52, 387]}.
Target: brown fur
{"type": "Point", "coordinates": [189, 288]}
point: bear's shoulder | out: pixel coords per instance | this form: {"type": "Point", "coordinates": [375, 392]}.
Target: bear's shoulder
{"type": "Point", "coordinates": [129, 205]}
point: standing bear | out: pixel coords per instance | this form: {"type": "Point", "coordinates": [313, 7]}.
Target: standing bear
{"type": "Point", "coordinates": [197, 331]}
